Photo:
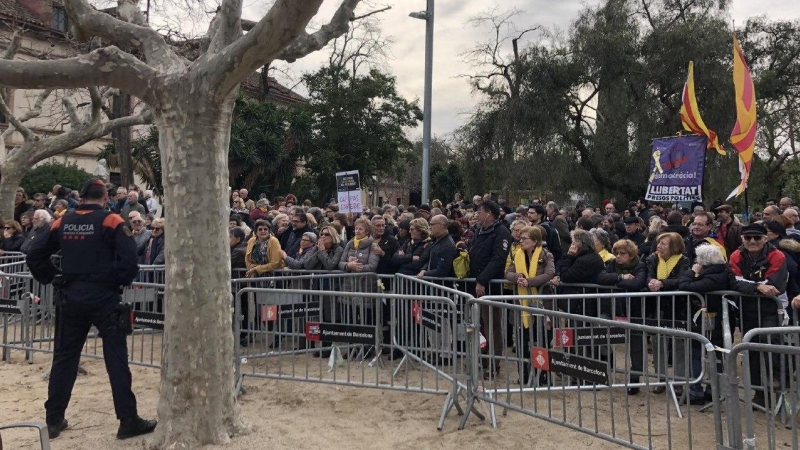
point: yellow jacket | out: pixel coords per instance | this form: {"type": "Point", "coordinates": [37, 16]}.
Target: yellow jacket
{"type": "Point", "coordinates": [273, 256]}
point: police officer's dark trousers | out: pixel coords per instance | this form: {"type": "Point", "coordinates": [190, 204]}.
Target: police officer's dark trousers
{"type": "Point", "coordinates": [84, 305]}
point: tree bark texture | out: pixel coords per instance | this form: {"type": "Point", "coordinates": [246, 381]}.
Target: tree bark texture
{"type": "Point", "coordinates": [13, 171]}
{"type": "Point", "coordinates": [197, 404]}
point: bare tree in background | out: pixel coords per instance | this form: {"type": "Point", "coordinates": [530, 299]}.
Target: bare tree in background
{"type": "Point", "coordinates": [83, 128]}
{"type": "Point", "coordinates": [192, 102]}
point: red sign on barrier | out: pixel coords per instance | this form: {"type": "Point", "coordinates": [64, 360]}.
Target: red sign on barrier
{"type": "Point", "coordinates": [541, 358]}
{"type": "Point", "coordinates": [565, 337]}
{"type": "Point", "coordinates": [313, 331]}
{"type": "Point", "coordinates": [269, 313]}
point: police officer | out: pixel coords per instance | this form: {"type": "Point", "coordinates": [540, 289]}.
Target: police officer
{"type": "Point", "coordinates": [98, 257]}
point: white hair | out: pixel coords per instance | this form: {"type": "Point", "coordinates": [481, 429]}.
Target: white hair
{"type": "Point", "coordinates": [476, 198]}
{"type": "Point", "coordinates": [709, 254]}
{"type": "Point", "coordinates": [148, 193]}
{"type": "Point", "coordinates": [135, 194]}
{"type": "Point", "coordinates": [42, 214]}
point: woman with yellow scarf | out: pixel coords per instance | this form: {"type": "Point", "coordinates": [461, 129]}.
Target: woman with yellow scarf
{"type": "Point", "coordinates": [531, 268]}
{"type": "Point", "coordinates": [664, 268]}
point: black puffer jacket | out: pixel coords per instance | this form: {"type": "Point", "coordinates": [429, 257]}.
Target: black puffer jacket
{"type": "Point", "coordinates": [612, 276]}
{"type": "Point", "coordinates": [581, 268]}
{"type": "Point", "coordinates": [671, 307]}
{"type": "Point", "coordinates": [716, 277]}
{"type": "Point", "coordinates": [488, 251]}
{"type": "Point", "coordinates": [12, 244]}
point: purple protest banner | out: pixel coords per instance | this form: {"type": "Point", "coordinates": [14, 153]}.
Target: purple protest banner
{"type": "Point", "coordinates": [676, 169]}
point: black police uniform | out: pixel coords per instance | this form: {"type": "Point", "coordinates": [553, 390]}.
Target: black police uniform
{"type": "Point", "coordinates": [98, 256]}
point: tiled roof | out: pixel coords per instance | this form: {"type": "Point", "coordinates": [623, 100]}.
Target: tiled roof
{"type": "Point", "coordinates": [12, 10]}
{"type": "Point", "coordinates": [276, 91]}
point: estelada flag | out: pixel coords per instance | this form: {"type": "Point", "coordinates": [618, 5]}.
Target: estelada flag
{"type": "Point", "coordinates": [743, 136]}
{"type": "Point", "coordinates": [690, 113]}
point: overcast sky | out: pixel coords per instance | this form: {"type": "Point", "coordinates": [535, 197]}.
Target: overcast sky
{"type": "Point", "coordinates": [452, 99]}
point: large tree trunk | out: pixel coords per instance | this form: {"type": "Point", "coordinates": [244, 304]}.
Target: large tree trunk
{"type": "Point", "coordinates": [197, 404]}
{"type": "Point", "coordinates": [10, 179]}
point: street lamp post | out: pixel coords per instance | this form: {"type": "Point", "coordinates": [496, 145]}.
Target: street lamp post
{"type": "Point", "coordinates": [427, 16]}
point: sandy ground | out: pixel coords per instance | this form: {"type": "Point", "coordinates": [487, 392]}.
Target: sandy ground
{"type": "Point", "coordinates": [289, 414]}
{"type": "Point", "coordinates": [283, 414]}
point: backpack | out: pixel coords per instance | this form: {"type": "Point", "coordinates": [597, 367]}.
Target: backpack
{"type": "Point", "coordinates": [461, 264]}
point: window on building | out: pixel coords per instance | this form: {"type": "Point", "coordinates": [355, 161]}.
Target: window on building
{"type": "Point", "coordinates": [59, 22]}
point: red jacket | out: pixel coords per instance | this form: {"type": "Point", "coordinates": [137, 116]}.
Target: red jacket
{"type": "Point", "coordinates": [769, 266]}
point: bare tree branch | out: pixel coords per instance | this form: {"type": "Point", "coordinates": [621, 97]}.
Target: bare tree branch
{"type": "Point", "coordinates": [91, 22]}
{"type": "Point", "coordinates": [228, 25]}
{"type": "Point", "coordinates": [260, 46]}
{"type": "Point", "coordinates": [72, 111]}
{"type": "Point", "coordinates": [371, 13]}
{"type": "Point", "coordinates": [308, 43]}
{"type": "Point", "coordinates": [104, 66]}
{"type": "Point", "coordinates": [128, 10]}
{"type": "Point", "coordinates": [97, 104]}
{"type": "Point", "coordinates": [52, 146]}
{"type": "Point", "coordinates": [13, 46]}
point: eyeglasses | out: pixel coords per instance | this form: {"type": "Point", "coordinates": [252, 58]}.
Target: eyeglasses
{"type": "Point", "coordinates": [620, 253]}
{"type": "Point", "coordinates": [137, 221]}
{"type": "Point", "coordinates": [305, 239]}
{"type": "Point", "coordinates": [752, 238]}
{"type": "Point", "coordinates": [157, 229]}
{"type": "Point", "coordinates": [524, 238]}
{"type": "Point", "coordinates": [262, 229]}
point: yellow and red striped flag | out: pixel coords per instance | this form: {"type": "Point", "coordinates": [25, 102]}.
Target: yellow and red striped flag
{"type": "Point", "coordinates": [743, 136]}
{"type": "Point", "coordinates": [690, 113]}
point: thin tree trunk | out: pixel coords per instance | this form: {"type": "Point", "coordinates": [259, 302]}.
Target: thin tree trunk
{"type": "Point", "coordinates": [12, 173]}
{"type": "Point", "coordinates": [122, 138]}
{"type": "Point", "coordinates": [197, 404]}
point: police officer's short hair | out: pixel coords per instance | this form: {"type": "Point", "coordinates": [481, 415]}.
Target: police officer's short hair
{"type": "Point", "coordinates": [491, 207]}
{"type": "Point", "coordinates": [94, 189]}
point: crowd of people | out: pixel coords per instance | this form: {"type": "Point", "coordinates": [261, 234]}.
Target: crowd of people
{"type": "Point", "coordinates": [639, 247]}
{"type": "Point", "coordinates": [642, 247]}
{"type": "Point", "coordinates": [33, 217]}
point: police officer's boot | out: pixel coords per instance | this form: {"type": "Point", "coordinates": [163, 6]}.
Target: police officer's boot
{"type": "Point", "coordinates": [55, 429]}
{"type": "Point", "coordinates": [135, 426]}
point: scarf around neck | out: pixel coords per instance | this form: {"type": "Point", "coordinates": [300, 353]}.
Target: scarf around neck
{"type": "Point", "coordinates": [665, 267]}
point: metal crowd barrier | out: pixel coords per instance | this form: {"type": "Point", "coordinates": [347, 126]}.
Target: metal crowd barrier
{"type": "Point", "coordinates": [771, 392]}
{"type": "Point", "coordinates": [29, 319]}
{"type": "Point", "coordinates": [424, 335]}
{"type": "Point", "coordinates": [578, 371]}
{"type": "Point", "coordinates": [151, 274]}
{"type": "Point", "coordinates": [10, 258]}
{"type": "Point", "coordinates": [26, 315]}
{"type": "Point", "coordinates": [411, 351]}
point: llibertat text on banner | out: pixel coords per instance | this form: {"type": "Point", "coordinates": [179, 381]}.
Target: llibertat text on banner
{"type": "Point", "coordinates": [676, 169]}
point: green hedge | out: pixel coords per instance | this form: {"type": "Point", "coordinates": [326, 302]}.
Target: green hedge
{"type": "Point", "coordinates": [42, 178]}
